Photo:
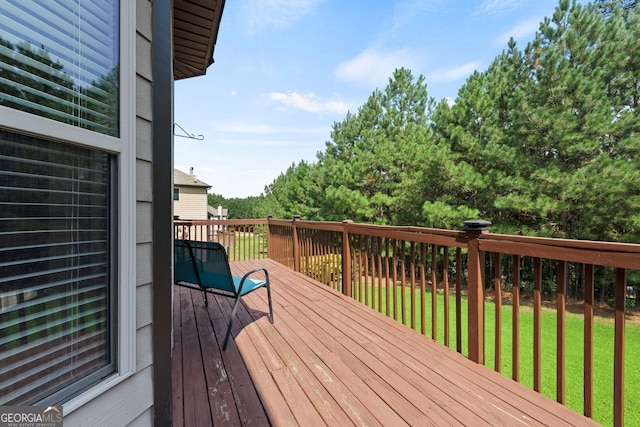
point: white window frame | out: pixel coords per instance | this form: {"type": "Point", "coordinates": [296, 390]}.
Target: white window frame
{"type": "Point", "coordinates": [124, 148]}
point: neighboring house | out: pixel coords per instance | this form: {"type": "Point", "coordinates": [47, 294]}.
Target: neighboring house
{"type": "Point", "coordinates": [86, 159]}
{"type": "Point", "coordinates": [217, 213]}
{"type": "Point", "coordinates": [189, 197]}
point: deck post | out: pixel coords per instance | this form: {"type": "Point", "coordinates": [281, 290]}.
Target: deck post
{"type": "Point", "coordinates": [296, 244]}
{"type": "Point", "coordinates": [346, 258]}
{"type": "Point", "coordinates": [475, 288]}
{"type": "Point", "coordinates": [269, 239]}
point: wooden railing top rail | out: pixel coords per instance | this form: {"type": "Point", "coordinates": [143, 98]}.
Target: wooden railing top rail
{"type": "Point", "coordinates": [281, 222]}
{"type": "Point", "coordinates": [610, 253]}
{"type": "Point", "coordinates": [606, 254]}
{"type": "Point", "coordinates": [567, 243]}
{"type": "Point", "coordinates": [254, 221]}
{"type": "Point", "coordinates": [319, 225]}
{"type": "Point", "coordinates": [409, 233]}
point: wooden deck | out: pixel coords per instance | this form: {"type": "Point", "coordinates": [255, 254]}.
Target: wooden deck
{"type": "Point", "coordinates": [329, 360]}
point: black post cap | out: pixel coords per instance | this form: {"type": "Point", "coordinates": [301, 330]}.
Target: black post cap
{"type": "Point", "coordinates": [476, 225]}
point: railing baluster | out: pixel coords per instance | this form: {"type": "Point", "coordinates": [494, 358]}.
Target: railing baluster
{"type": "Point", "coordinates": [403, 278]}
{"type": "Point", "coordinates": [397, 315]}
{"type": "Point", "coordinates": [357, 267]}
{"type": "Point", "coordinates": [515, 323]}
{"type": "Point", "coordinates": [445, 291]}
{"type": "Point", "coordinates": [434, 291]}
{"type": "Point", "coordinates": [379, 263]}
{"type": "Point", "coordinates": [347, 279]}
{"type": "Point", "coordinates": [459, 300]}
{"type": "Point", "coordinates": [386, 276]}
{"type": "Point", "coordinates": [497, 285]}
{"type": "Point", "coordinates": [588, 339]}
{"type": "Point", "coordinates": [560, 332]}
{"type": "Point", "coordinates": [308, 245]}
{"type": "Point", "coordinates": [537, 324]}
{"type": "Point", "coordinates": [423, 289]}
{"type": "Point", "coordinates": [365, 268]}
{"type": "Point", "coordinates": [618, 353]}
{"type": "Point", "coordinates": [412, 272]}
{"type": "Point", "coordinates": [296, 245]}
{"type": "Point", "coordinates": [375, 273]}
{"type": "Point", "coordinates": [243, 238]}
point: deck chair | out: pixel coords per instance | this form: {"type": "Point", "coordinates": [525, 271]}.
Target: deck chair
{"type": "Point", "coordinates": [206, 265]}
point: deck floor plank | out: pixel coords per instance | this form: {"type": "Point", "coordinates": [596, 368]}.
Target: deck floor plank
{"type": "Point", "coordinates": [196, 402]}
{"type": "Point", "coordinates": [365, 352]}
{"type": "Point", "coordinates": [395, 390]}
{"type": "Point", "coordinates": [353, 356]}
{"type": "Point", "coordinates": [221, 397]}
{"type": "Point", "coordinates": [329, 360]}
{"type": "Point", "coordinates": [341, 383]}
{"type": "Point", "coordinates": [369, 360]}
{"type": "Point", "coordinates": [176, 358]}
{"type": "Point", "coordinates": [322, 381]}
{"type": "Point", "coordinates": [301, 362]}
{"type": "Point", "coordinates": [462, 382]}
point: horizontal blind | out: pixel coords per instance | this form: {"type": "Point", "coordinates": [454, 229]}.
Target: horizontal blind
{"type": "Point", "coordinates": [59, 59]}
{"type": "Point", "coordinates": [56, 298]}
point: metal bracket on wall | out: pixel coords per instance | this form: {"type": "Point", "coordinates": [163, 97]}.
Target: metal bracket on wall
{"type": "Point", "coordinates": [186, 134]}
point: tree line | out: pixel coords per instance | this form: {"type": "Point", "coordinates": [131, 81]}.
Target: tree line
{"type": "Point", "coordinates": [543, 142]}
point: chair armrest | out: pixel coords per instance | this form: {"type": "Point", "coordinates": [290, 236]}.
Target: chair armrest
{"type": "Point", "coordinates": [246, 276]}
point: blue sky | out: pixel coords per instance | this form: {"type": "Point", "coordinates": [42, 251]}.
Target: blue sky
{"type": "Point", "coordinates": [286, 70]}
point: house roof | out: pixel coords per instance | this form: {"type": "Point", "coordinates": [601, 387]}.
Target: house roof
{"type": "Point", "coordinates": [185, 180]}
{"type": "Point", "coordinates": [195, 31]}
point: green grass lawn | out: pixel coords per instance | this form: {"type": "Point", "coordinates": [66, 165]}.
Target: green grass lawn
{"type": "Point", "coordinates": [244, 246]}
{"type": "Point", "coordinates": [602, 357]}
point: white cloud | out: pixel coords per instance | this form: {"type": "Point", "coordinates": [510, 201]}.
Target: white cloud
{"type": "Point", "coordinates": [525, 29]}
{"type": "Point", "coordinates": [233, 93]}
{"type": "Point", "coordinates": [309, 102]}
{"type": "Point", "coordinates": [262, 14]}
{"type": "Point", "coordinates": [448, 75]}
{"type": "Point", "coordinates": [376, 67]}
{"type": "Point", "coordinates": [495, 7]}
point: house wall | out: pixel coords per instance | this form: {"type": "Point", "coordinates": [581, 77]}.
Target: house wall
{"type": "Point", "coordinates": [131, 401]}
{"type": "Point", "coordinates": [192, 204]}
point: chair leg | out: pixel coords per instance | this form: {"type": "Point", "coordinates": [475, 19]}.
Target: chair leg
{"type": "Point", "coordinates": [269, 299]}
{"type": "Point", "coordinates": [233, 315]}
{"type": "Point", "coordinates": [206, 299]}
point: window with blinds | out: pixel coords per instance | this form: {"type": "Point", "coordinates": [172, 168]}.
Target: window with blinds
{"type": "Point", "coordinates": [59, 59]}
{"type": "Point", "coordinates": [57, 312]}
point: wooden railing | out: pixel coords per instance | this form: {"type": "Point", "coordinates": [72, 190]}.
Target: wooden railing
{"type": "Point", "coordinates": [243, 239]}
{"type": "Point", "coordinates": [415, 275]}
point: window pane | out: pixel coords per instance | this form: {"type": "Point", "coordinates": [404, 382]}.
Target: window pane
{"type": "Point", "coordinates": [60, 60]}
{"type": "Point", "coordinates": [57, 321]}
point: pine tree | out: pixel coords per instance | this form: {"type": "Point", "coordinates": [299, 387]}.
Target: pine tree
{"type": "Point", "coordinates": [373, 153]}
